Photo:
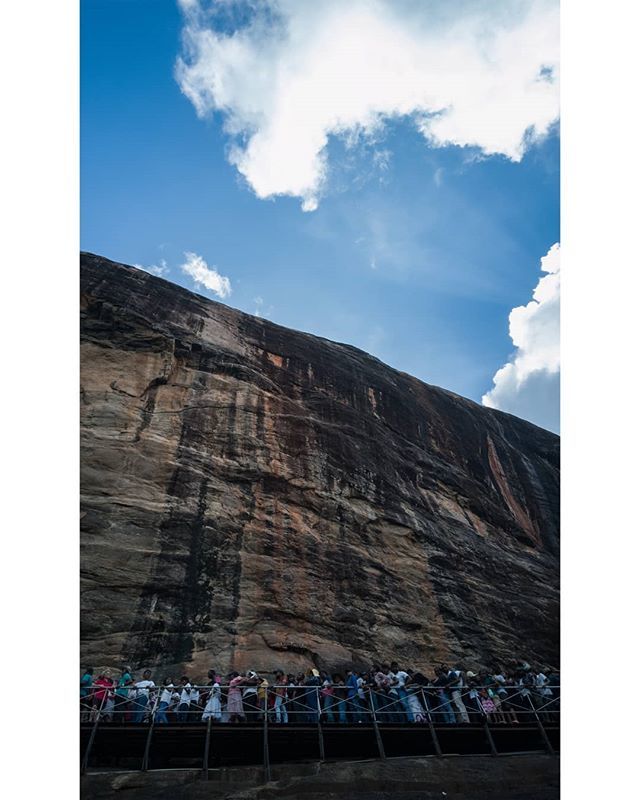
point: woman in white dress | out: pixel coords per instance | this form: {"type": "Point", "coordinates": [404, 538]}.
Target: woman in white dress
{"type": "Point", "coordinates": [213, 708]}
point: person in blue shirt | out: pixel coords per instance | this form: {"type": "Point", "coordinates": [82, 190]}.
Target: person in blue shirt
{"type": "Point", "coordinates": [123, 706]}
{"type": "Point", "coordinates": [86, 695]}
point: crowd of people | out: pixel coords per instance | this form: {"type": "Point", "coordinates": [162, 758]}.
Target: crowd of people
{"type": "Point", "coordinates": [386, 692]}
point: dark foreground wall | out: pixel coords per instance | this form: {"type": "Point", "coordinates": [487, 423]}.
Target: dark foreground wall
{"type": "Point", "coordinates": [254, 497]}
{"type": "Point", "coordinates": [522, 777]}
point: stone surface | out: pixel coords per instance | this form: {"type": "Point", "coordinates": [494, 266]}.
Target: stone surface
{"type": "Point", "coordinates": [253, 496]}
{"type": "Point", "coordinates": [521, 777]}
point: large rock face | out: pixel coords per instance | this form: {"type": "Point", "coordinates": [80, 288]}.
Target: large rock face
{"type": "Point", "coordinates": [253, 496]}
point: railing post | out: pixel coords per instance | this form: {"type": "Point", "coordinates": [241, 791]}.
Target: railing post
{"type": "Point", "coordinates": [265, 738]}
{"type": "Point", "coordinates": [87, 752]}
{"type": "Point", "coordinates": [147, 747]}
{"type": "Point", "coordinates": [320, 736]}
{"type": "Point", "coordinates": [488, 734]}
{"type": "Point", "coordinates": [432, 730]}
{"type": "Point", "coordinates": [543, 733]}
{"type": "Point", "coordinates": [205, 758]}
{"type": "Point", "coordinates": [376, 727]}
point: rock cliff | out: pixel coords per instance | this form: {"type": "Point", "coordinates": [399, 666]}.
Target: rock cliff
{"type": "Point", "coordinates": [253, 496]}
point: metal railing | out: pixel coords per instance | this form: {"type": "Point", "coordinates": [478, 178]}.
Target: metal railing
{"type": "Point", "coordinates": [333, 704]}
{"type": "Point", "coordinates": [325, 707]}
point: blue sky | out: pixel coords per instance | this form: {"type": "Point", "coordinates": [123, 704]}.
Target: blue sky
{"type": "Point", "coordinates": [416, 253]}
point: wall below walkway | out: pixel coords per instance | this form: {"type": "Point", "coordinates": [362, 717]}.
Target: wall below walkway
{"type": "Point", "coordinates": [517, 777]}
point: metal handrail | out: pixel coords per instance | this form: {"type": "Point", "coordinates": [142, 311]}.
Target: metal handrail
{"type": "Point", "coordinates": [320, 703]}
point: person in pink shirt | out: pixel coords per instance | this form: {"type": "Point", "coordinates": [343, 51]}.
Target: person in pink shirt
{"type": "Point", "coordinates": [488, 706]}
{"type": "Point", "coordinates": [327, 697]}
{"type": "Point", "coordinates": [235, 709]}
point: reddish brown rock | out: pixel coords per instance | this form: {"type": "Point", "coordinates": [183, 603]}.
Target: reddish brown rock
{"type": "Point", "coordinates": [256, 496]}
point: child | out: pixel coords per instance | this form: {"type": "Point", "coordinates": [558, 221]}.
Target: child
{"type": "Point", "coordinates": [488, 706]}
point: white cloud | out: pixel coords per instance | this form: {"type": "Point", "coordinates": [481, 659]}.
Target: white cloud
{"type": "Point", "coordinates": [159, 270]}
{"type": "Point", "coordinates": [293, 72]}
{"type": "Point", "coordinates": [203, 275]}
{"type": "Point", "coordinates": [528, 385]}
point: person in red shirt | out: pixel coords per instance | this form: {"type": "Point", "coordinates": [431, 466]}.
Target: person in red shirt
{"type": "Point", "coordinates": [102, 694]}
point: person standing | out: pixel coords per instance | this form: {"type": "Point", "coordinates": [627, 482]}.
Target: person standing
{"type": "Point", "coordinates": [280, 692]}
{"type": "Point", "coordinates": [110, 701]}
{"type": "Point", "coordinates": [264, 701]}
{"type": "Point", "coordinates": [213, 709]}
{"type": "Point", "coordinates": [123, 706]}
{"type": "Point", "coordinates": [235, 708]}
{"type": "Point", "coordinates": [185, 699]}
{"type": "Point", "coordinates": [172, 711]}
{"type": "Point", "coordinates": [442, 683]}
{"type": "Point", "coordinates": [312, 682]}
{"type": "Point", "coordinates": [104, 683]}
{"type": "Point", "coordinates": [474, 709]}
{"type": "Point", "coordinates": [326, 692]}
{"type": "Point", "coordinates": [86, 694]}
{"type": "Point", "coordinates": [380, 694]}
{"type": "Point", "coordinates": [554, 688]}
{"type": "Point", "coordinates": [500, 695]}
{"type": "Point", "coordinates": [298, 703]}
{"type": "Point", "coordinates": [352, 697]}
{"type": "Point", "coordinates": [340, 693]}
{"type": "Point", "coordinates": [165, 701]}
{"type": "Point", "coordinates": [526, 684]}
{"type": "Point", "coordinates": [143, 689]}
{"type": "Point", "coordinates": [488, 706]}
{"type": "Point", "coordinates": [456, 686]}
{"type": "Point", "coordinates": [398, 681]}
{"type": "Point", "coordinates": [195, 708]}
{"type": "Point", "coordinates": [250, 696]}
{"type": "Point", "coordinates": [413, 687]}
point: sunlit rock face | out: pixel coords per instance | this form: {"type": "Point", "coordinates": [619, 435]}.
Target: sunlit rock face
{"type": "Point", "coordinates": [255, 497]}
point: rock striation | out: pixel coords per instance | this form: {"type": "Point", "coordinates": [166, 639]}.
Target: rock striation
{"type": "Point", "coordinates": [254, 496]}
